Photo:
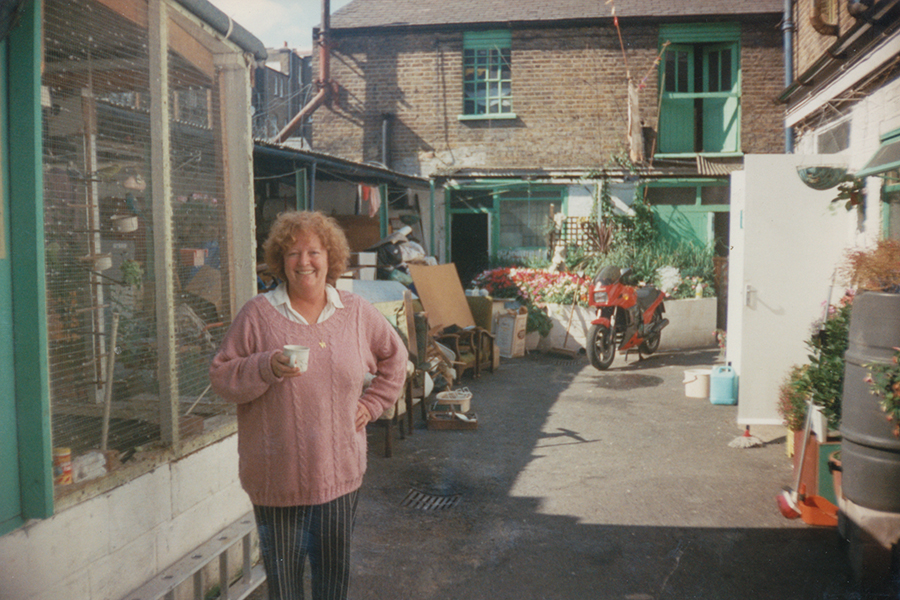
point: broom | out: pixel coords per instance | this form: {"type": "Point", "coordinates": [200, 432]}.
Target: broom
{"type": "Point", "coordinates": [745, 440]}
{"type": "Point", "coordinates": [789, 499]}
{"type": "Point", "coordinates": [565, 351]}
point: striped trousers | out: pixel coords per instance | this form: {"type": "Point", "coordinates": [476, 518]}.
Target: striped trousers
{"type": "Point", "coordinates": [289, 535]}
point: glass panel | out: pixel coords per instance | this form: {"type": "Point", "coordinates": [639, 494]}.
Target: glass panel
{"type": "Point", "coordinates": [473, 199]}
{"type": "Point", "coordinates": [483, 65]}
{"type": "Point", "coordinates": [727, 78]}
{"type": "Point", "coordinates": [834, 140]}
{"type": "Point", "coordinates": [523, 224]}
{"type": "Point", "coordinates": [713, 69]}
{"type": "Point", "coordinates": [672, 196]}
{"type": "Point", "coordinates": [893, 215]}
{"type": "Point", "coordinates": [684, 83]}
{"type": "Point", "coordinates": [670, 72]}
{"type": "Point", "coordinates": [888, 155]}
{"type": "Point", "coordinates": [714, 194]}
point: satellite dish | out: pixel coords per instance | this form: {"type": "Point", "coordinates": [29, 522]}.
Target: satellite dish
{"type": "Point", "coordinates": [821, 178]}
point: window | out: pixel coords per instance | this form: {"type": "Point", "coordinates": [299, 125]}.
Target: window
{"type": "Point", "coordinates": [526, 216]}
{"type": "Point", "coordinates": [834, 139]}
{"type": "Point", "coordinates": [487, 79]}
{"type": "Point", "coordinates": [700, 110]}
{"type": "Point", "coordinates": [890, 204]}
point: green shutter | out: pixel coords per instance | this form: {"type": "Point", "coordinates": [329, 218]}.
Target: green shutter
{"type": "Point", "coordinates": [10, 504]}
{"type": "Point", "coordinates": [683, 100]}
{"type": "Point", "coordinates": [676, 121]}
{"type": "Point", "coordinates": [721, 118]}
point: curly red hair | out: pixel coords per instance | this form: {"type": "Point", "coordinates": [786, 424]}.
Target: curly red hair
{"type": "Point", "coordinates": [289, 226]}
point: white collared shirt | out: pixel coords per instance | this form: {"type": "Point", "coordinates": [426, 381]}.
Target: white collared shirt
{"type": "Point", "coordinates": [281, 301]}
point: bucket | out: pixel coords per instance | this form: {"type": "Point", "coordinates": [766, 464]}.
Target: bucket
{"type": "Point", "coordinates": [722, 388]}
{"type": "Point", "coordinates": [696, 383]}
{"type": "Point", "coordinates": [454, 401]}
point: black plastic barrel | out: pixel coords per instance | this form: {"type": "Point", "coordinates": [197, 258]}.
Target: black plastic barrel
{"type": "Point", "coordinates": [870, 452]}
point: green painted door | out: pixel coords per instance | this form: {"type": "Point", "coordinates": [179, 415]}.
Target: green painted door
{"type": "Point", "coordinates": [720, 106]}
{"type": "Point", "coordinates": [10, 497]}
{"type": "Point", "coordinates": [676, 126]}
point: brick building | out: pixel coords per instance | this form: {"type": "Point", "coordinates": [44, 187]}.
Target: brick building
{"type": "Point", "coordinates": [843, 102]}
{"type": "Point", "coordinates": [518, 109]}
{"type": "Point", "coordinates": [281, 87]}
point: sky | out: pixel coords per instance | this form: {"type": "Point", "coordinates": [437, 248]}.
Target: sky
{"type": "Point", "coordinates": [275, 22]}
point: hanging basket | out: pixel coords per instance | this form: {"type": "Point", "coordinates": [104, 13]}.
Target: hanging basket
{"type": "Point", "coordinates": [821, 178]}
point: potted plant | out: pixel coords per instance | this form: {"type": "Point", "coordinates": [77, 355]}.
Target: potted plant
{"type": "Point", "coordinates": [884, 383]}
{"type": "Point", "coordinates": [870, 451]}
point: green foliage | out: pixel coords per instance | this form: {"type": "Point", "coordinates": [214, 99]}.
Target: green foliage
{"type": "Point", "coordinates": [851, 192]}
{"type": "Point", "coordinates": [823, 378]}
{"type": "Point", "coordinates": [538, 320]}
{"type": "Point", "coordinates": [792, 396]}
{"type": "Point", "coordinates": [694, 263]}
{"type": "Point", "coordinates": [132, 272]}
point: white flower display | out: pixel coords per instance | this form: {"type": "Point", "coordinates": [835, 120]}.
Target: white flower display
{"type": "Point", "coordinates": [669, 278]}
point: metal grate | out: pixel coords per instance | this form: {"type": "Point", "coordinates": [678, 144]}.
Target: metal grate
{"type": "Point", "coordinates": [422, 501]}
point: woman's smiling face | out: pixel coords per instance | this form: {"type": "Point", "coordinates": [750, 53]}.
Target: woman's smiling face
{"type": "Point", "coordinates": [306, 266]}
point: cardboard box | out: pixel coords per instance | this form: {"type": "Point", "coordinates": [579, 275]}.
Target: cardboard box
{"type": "Point", "coordinates": [193, 257]}
{"type": "Point", "coordinates": [363, 259]}
{"type": "Point", "coordinates": [511, 333]}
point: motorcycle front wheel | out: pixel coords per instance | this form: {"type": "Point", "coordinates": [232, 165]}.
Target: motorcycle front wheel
{"type": "Point", "coordinates": [601, 348]}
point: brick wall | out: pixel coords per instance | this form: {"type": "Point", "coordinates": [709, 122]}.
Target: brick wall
{"type": "Point", "coordinates": [809, 44]}
{"type": "Point", "coordinates": [569, 95]}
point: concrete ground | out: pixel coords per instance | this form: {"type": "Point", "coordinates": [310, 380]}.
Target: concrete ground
{"type": "Point", "coordinates": [581, 484]}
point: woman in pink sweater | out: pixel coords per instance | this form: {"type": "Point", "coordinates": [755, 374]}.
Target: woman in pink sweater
{"type": "Point", "coordinates": [301, 435]}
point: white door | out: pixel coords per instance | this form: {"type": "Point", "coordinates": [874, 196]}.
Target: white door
{"type": "Point", "coordinates": [786, 241]}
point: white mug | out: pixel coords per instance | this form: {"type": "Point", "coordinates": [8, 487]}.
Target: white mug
{"type": "Point", "coordinates": [298, 356]}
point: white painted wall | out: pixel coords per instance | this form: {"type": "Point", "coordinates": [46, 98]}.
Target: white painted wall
{"type": "Point", "coordinates": [103, 548]}
{"type": "Point", "coordinates": [580, 200]}
{"type": "Point", "coordinates": [786, 241]}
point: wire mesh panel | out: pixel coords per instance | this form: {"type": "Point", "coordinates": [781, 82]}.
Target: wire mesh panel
{"type": "Point", "coordinates": [96, 159]}
{"type": "Point", "coordinates": [199, 219]}
{"type": "Point", "coordinates": [99, 228]}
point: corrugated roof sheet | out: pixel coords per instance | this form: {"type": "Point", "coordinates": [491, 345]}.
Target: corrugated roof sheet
{"type": "Point", "coordinates": [382, 13]}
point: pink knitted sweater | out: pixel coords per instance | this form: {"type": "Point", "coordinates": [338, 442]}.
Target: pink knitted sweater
{"type": "Point", "coordinates": [297, 441]}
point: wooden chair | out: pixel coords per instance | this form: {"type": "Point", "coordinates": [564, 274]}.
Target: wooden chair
{"type": "Point", "coordinates": [448, 309]}
{"type": "Point", "coordinates": [413, 393]}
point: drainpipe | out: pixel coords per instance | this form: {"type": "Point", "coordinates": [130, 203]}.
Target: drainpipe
{"type": "Point", "coordinates": [311, 201]}
{"type": "Point", "coordinates": [431, 215]}
{"type": "Point", "coordinates": [223, 24]}
{"type": "Point", "coordinates": [327, 88]}
{"type": "Point", "coordinates": [386, 122]}
{"type": "Point", "coordinates": [787, 26]}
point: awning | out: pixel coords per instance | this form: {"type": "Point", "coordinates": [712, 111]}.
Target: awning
{"type": "Point", "coordinates": [886, 158]}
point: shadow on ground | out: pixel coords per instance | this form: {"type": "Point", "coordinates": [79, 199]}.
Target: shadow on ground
{"type": "Point", "coordinates": [581, 484]}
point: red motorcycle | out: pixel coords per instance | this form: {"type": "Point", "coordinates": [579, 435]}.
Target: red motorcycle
{"type": "Point", "coordinates": [627, 317]}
